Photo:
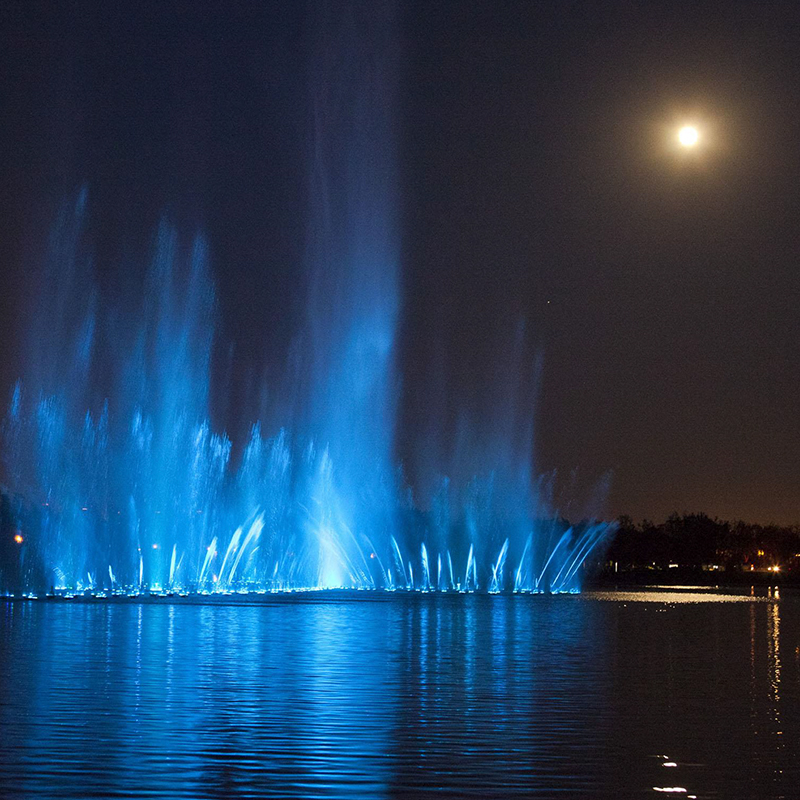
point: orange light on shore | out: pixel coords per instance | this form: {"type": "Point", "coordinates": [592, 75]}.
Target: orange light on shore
{"type": "Point", "coordinates": [19, 539]}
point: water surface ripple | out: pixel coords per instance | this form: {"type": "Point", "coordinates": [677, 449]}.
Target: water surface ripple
{"type": "Point", "coordinates": [414, 696]}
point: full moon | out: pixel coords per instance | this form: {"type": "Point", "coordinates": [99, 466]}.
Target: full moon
{"type": "Point", "coordinates": [688, 136]}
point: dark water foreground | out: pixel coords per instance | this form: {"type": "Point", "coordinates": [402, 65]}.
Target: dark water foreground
{"type": "Point", "coordinates": [411, 696]}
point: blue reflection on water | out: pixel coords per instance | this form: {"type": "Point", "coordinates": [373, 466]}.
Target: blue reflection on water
{"type": "Point", "coordinates": [410, 695]}
{"type": "Point", "coordinates": [328, 699]}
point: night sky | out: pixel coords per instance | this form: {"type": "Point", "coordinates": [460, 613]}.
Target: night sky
{"type": "Point", "coordinates": [539, 181]}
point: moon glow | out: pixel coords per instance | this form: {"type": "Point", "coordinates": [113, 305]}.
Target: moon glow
{"type": "Point", "coordinates": [688, 136]}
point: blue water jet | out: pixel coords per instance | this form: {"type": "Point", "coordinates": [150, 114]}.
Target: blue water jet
{"type": "Point", "coordinates": [122, 485]}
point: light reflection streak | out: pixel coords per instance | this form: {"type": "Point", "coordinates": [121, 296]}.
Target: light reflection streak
{"type": "Point", "coordinates": [774, 662]}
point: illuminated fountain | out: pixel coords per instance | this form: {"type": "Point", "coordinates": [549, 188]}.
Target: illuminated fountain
{"type": "Point", "coordinates": [120, 483]}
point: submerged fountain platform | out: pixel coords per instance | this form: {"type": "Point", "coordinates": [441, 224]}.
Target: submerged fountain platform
{"type": "Point", "coordinates": [264, 596]}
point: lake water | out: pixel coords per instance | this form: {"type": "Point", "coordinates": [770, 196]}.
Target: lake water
{"type": "Point", "coordinates": [368, 696]}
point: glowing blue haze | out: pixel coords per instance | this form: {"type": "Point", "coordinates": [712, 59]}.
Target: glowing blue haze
{"type": "Point", "coordinates": [137, 492]}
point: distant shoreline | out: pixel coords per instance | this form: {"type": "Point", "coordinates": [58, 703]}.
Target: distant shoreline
{"type": "Point", "coordinates": [607, 579]}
